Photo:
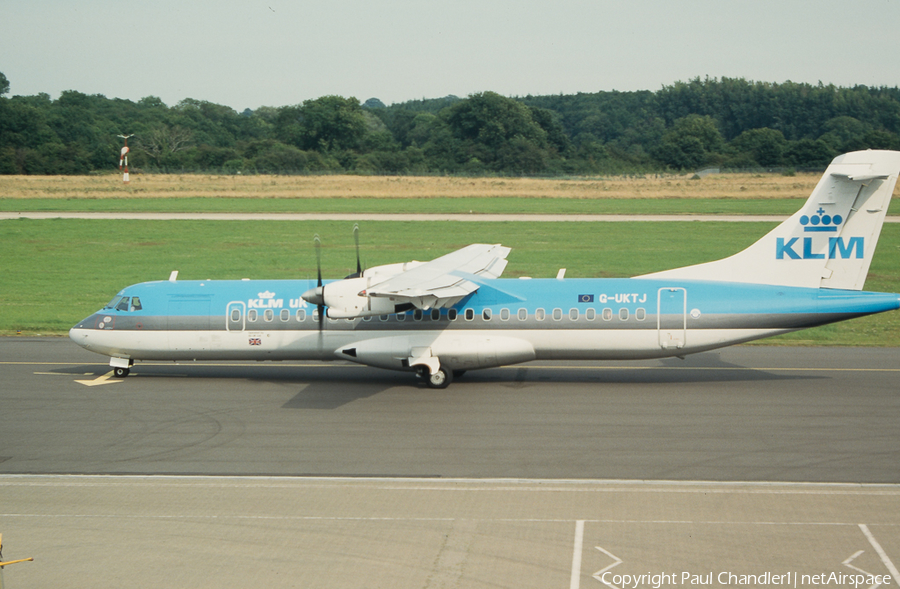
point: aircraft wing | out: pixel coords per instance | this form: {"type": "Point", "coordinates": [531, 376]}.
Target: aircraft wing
{"type": "Point", "coordinates": [444, 281]}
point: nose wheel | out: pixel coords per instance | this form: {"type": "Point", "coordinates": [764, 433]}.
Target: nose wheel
{"type": "Point", "coordinates": [119, 372]}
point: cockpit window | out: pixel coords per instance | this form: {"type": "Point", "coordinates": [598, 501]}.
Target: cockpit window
{"type": "Point", "coordinates": [124, 304]}
{"type": "Point", "coordinates": [114, 303]}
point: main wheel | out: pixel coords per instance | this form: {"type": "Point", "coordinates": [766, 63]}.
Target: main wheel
{"type": "Point", "coordinates": [440, 379]}
{"type": "Point", "coordinates": [119, 372]}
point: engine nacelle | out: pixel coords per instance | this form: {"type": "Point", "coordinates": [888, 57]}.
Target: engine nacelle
{"type": "Point", "coordinates": [346, 299]}
{"type": "Point", "coordinates": [454, 352]}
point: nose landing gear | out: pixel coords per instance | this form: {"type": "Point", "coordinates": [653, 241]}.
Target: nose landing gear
{"type": "Point", "coordinates": [121, 366]}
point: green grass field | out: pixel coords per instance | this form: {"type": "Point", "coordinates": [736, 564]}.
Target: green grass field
{"type": "Point", "coordinates": [55, 272]}
{"type": "Point", "coordinates": [495, 205]}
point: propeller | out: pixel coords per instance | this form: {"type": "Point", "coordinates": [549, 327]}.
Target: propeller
{"type": "Point", "coordinates": [320, 290]}
{"type": "Point", "coordinates": [316, 295]}
{"type": "Point", "coordinates": [358, 272]}
{"type": "Point", "coordinates": [356, 240]}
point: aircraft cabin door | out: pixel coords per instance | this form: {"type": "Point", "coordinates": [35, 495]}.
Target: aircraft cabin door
{"type": "Point", "coordinates": [671, 317]}
{"type": "Point", "coordinates": [235, 316]}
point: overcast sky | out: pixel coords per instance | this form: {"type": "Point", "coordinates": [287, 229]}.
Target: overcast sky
{"type": "Point", "coordinates": [251, 53]}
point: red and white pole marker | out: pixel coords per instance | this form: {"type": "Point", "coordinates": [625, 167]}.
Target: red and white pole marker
{"type": "Point", "coordinates": [123, 157]}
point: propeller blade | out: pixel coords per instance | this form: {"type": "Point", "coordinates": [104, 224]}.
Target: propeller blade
{"type": "Point", "coordinates": [318, 244]}
{"type": "Point", "coordinates": [320, 290]}
{"type": "Point", "coordinates": [356, 240]}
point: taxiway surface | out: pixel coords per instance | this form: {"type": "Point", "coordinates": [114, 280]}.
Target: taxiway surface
{"type": "Point", "coordinates": [738, 414]}
{"type": "Point", "coordinates": [746, 461]}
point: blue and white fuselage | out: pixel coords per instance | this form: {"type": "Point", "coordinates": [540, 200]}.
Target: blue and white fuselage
{"type": "Point", "coordinates": [454, 314]}
{"type": "Point", "coordinates": [585, 319]}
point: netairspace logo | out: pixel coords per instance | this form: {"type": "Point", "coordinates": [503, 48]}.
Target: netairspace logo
{"type": "Point", "coordinates": [788, 579]}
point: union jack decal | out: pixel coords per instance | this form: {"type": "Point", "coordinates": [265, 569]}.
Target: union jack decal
{"type": "Point", "coordinates": [255, 341]}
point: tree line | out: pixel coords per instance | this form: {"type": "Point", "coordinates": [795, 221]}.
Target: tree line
{"type": "Point", "coordinates": [728, 123]}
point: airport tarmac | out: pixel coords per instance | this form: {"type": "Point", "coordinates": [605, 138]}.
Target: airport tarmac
{"type": "Point", "coordinates": [751, 460]}
{"type": "Point", "coordinates": [212, 532]}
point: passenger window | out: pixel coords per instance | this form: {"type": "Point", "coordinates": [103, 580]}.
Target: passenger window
{"type": "Point", "coordinates": [451, 314]}
{"type": "Point", "coordinates": [573, 314]}
{"type": "Point", "coordinates": [470, 314]}
{"type": "Point", "coordinates": [486, 314]}
{"type": "Point", "coordinates": [435, 314]}
{"type": "Point", "coordinates": [235, 315]}
{"type": "Point", "coordinates": [623, 314]}
{"type": "Point", "coordinates": [123, 304]}
{"type": "Point", "coordinates": [401, 317]}
{"type": "Point", "coordinates": [640, 314]}
{"type": "Point", "coordinates": [315, 314]}
{"type": "Point", "coordinates": [590, 314]}
{"type": "Point", "coordinates": [269, 314]}
{"type": "Point", "coordinates": [285, 314]}
{"type": "Point", "coordinates": [523, 314]}
{"type": "Point", "coordinates": [383, 317]}
{"type": "Point", "coordinates": [252, 315]}
{"type": "Point", "coordinates": [136, 304]}
{"type": "Point", "coordinates": [539, 314]}
{"type": "Point", "coordinates": [607, 314]}
{"type": "Point", "coordinates": [504, 314]}
{"type": "Point", "coordinates": [301, 315]}
{"type": "Point", "coordinates": [417, 314]}
{"type": "Point", "coordinates": [557, 314]}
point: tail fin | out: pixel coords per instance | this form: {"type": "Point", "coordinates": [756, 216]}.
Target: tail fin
{"type": "Point", "coordinates": [828, 243]}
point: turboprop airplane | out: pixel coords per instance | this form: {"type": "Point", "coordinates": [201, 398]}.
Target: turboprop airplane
{"type": "Point", "coordinates": [455, 313]}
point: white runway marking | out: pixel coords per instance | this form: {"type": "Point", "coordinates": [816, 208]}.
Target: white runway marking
{"type": "Point", "coordinates": [599, 574]}
{"type": "Point", "coordinates": [881, 553]}
{"type": "Point", "coordinates": [575, 581]}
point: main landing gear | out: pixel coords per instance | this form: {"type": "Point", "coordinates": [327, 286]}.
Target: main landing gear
{"type": "Point", "coordinates": [440, 379]}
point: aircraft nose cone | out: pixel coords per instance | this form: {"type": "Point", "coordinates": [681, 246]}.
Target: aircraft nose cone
{"type": "Point", "coordinates": [80, 336]}
{"type": "Point", "coordinates": [316, 295]}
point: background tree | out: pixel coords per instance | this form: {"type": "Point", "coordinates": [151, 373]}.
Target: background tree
{"type": "Point", "coordinates": [759, 147]}
{"type": "Point", "coordinates": [693, 141]}
{"type": "Point", "coordinates": [327, 124]}
{"type": "Point", "coordinates": [727, 122]}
